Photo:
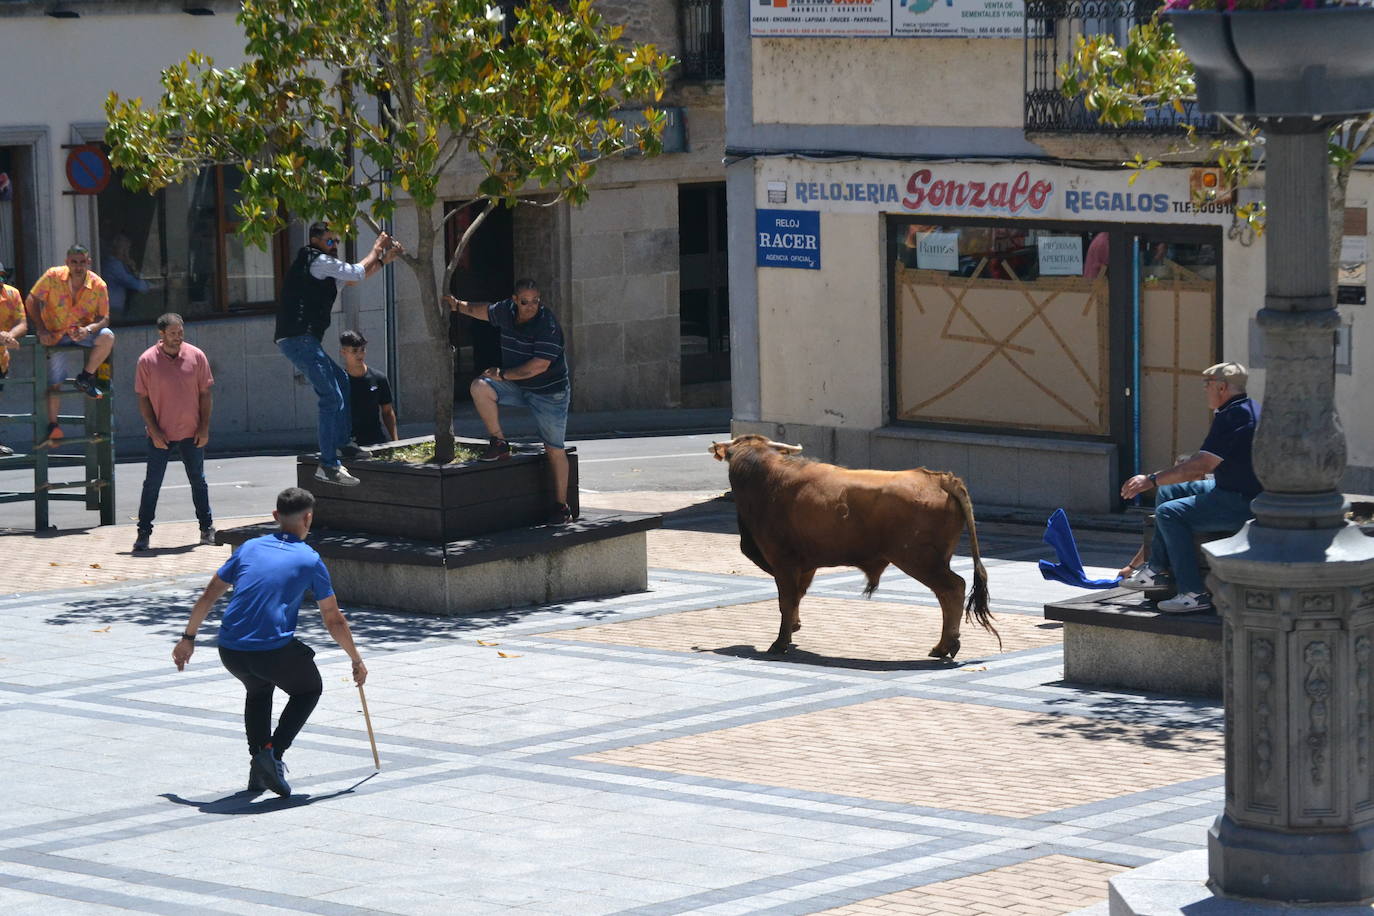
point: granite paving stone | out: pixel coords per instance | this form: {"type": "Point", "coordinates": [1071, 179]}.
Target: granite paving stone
{"type": "Point", "coordinates": [637, 754]}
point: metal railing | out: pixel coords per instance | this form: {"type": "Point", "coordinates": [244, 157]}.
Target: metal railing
{"type": "Point", "coordinates": [96, 487]}
{"type": "Point", "coordinates": [1052, 27]}
{"type": "Point", "coordinates": [703, 40]}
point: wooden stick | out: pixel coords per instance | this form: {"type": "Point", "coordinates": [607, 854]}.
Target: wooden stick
{"type": "Point", "coordinates": [377, 761]}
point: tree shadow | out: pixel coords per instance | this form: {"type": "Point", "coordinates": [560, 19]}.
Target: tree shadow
{"type": "Point", "coordinates": [1152, 720]}
{"type": "Point", "coordinates": [713, 516]}
{"type": "Point", "coordinates": [242, 802]}
{"type": "Point", "coordinates": [796, 656]}
{"type": "Point", "coordinates": [165, 612]}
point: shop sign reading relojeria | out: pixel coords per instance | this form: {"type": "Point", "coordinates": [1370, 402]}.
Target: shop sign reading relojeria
{"type": "Point", "coordinates": [887, 18]}
{"type": "Point", "coordinates": [995, 190]}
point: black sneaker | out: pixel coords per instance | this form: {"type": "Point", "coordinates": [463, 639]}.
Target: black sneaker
{"type": "Point", "coordinates": [336, 475]}
{"type": "Point", "coordinates": [354, 450]}
{"type": "Point", "coordinates": [271, 771]}
{"type": "Point", "coordinates": [207, 536]}
{"type": "Point", "coordinates": [496, 450]}
{"type": "Point", "coordinates": [255, 783]}
{"type": "Point", "coordinates": [89, 384]}
{"type": "Point", "coordinates": [561, 514]}
{"type": "Point", "coordinates": [141, 543]}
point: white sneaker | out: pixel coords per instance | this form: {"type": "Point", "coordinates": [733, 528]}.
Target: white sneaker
{"type": "Point", "coordinates": [1186, 603]}
{"type": "Point", "coordinates": [1146, 577]}
{"type": "Point", "coordinates": [336, 475]}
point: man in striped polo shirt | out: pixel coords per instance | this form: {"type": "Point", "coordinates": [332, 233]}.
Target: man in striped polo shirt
{"type": "Point", "coordinates": [533, 373]}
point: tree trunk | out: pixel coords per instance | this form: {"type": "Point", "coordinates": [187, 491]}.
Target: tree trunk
{"type": "Point", "coordinates": [439, 363]}
{"type": "Point", "coordinates": [1340, 183]}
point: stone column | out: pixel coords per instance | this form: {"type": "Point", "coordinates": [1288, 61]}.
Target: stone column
{"type": "Point", "coordinates": [1295, 588]}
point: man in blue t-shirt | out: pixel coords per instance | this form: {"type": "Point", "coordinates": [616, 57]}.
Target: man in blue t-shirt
{"type": "Point", "coordinates": [533, 373]}
{"type": "Point", "coordinates": [257, 638]}
{"type": "Point", "coordinates": [1186, 504]}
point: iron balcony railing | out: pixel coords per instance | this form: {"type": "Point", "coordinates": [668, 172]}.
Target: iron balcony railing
{"type": "Point", "coordinates": [703, 40]}
{"type": "Point", "coordinates": [1052, 27]}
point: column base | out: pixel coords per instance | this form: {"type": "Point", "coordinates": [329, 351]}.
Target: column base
{"type": "Point", "coordinates": [1333, 867]}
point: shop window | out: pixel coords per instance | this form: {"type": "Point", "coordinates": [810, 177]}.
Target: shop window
{"type": "Point", "coordinates": [1001, 326]}
{"type": "Point", "coordinates": [178, 251]}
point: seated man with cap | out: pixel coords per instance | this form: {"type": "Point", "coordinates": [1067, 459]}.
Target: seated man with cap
{"type": "Point", "coordinates": [1187, 504]}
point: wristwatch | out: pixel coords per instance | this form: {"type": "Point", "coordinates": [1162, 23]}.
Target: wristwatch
{"type": "Point", "coordinates": [1154, 478]}
{"type": "Point", "coordinates": [190, 637]}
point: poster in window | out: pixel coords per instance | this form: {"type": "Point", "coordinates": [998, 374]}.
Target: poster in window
{"type": "Point", "coordinates": [938, 251]}
{"type": "Point", "coordinates": [1060, 255]}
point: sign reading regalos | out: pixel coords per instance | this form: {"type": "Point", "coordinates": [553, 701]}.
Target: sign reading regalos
{"type": "Point", "coordinates": [997, 190]}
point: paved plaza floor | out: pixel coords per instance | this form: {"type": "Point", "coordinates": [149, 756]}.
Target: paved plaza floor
{"type": "Point", "coordinates": [635, 755]}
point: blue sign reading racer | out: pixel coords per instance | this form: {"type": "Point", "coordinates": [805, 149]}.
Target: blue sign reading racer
{"type": "Point", "coordinates": [789, 238]}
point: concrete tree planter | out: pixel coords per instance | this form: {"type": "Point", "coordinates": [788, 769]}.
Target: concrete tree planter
{"type": "Point", "coordinates": [437, 503]}
{"type": "Point", "coordinates": [1276, 63]}
{"type": "Point", "coordinates": [465, 538]}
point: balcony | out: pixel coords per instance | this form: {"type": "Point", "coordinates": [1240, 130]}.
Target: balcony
{"type": "Point", "coordinates": [1052, 27]}
{"type": "Point", "coordinates": [703, 40]}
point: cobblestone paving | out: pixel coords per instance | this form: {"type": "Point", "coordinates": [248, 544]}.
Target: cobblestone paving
{"type": "Point", "coordinates": [1046, 886]}
{"type": "Point", "coordinates": [630, 755]}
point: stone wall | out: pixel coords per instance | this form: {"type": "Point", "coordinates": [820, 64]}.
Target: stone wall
{"type": "Point", "coordinates": [624, 326]}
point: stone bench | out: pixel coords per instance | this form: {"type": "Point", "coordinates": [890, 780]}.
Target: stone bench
{"type": "Point", "coordinates": [1115, 638]}
{"type": "Point", "coordinates": [601, 553]}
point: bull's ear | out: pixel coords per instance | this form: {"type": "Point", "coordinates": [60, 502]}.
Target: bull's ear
{"type": "Point", "coordinates": [784, 448]}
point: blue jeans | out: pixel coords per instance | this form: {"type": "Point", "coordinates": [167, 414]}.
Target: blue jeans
{"type": "Point", "coordinates": [331, 385]}
{"type": "Point", "coordinates": [193, 459]}
{"type": "Point", "coordinates": [549, 409]}
{"type": "Point", "coordinates": [1184, 508]}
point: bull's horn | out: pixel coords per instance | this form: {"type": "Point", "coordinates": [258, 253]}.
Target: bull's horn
{"type": "Point", "coordinates": [784, 447]}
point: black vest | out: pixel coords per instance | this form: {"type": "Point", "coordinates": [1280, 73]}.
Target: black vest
{"type": "Point", "coordinates": [305, 302]}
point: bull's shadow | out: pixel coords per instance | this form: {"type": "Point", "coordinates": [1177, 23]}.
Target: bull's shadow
{"type": "Point", "coordinates": [798, 656]}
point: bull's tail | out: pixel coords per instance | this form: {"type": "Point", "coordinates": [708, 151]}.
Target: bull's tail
{"type": "Point", "coordinates": [977, 605]}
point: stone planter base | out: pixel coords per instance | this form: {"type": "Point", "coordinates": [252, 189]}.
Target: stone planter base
{"type": "Point", "coordinates": [601, 554]}
{"type": "Point", "coordinates": [1116, 639]}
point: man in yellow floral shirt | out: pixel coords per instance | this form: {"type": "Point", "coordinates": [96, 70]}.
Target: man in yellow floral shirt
{"type": "Point", "coordinates": [70, 306]}
{"type": "Point", "coordinates": [12, 327]}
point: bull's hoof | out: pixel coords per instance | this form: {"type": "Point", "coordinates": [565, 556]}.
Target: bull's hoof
{"type": "Point", "coordinates": [779, 648]}
{"type": "Point", "coordinates": [945, 650]}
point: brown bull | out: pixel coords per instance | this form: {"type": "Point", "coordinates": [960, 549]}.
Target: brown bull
{"type": "Point", "coordinates": [796, 516]}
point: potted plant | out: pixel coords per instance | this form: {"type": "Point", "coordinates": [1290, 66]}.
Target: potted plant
{"type": "Point", "coordinates": [1278, 58]}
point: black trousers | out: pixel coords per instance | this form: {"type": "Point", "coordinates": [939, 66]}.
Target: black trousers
{"type": "Point", "coordinates": [291, 668]}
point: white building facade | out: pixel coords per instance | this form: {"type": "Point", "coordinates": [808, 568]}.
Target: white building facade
{"type": "Point", "coordinates": [938, 261]}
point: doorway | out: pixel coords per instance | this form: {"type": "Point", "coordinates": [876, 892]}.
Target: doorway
{"type": "Point", "coordinates": [18, 218]}
{"type": "Point", "coordinates": [703, 295]}
{"type": "Point", "coordinates": [1174, 277]}
{"type": "Point", "coordinates": [486, 273]}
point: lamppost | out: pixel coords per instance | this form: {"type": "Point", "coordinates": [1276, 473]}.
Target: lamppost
{"type": "Point", "coordinates": [1295, 587]}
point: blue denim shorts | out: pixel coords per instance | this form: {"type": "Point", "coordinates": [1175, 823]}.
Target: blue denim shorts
{"type": "Point", "coordinates": [550, 409]}
{"type": "Point", "coordinates": [59, 361]}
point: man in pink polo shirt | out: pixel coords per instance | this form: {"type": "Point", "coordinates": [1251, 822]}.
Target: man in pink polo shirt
{"type": "Point", "coordinates": [173, 383]}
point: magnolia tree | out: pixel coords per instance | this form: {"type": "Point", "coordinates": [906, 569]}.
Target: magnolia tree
{"type": "Point", "coordinates": [1123, 82]}
{"type": "Point", "coordinates": [346, 110]}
